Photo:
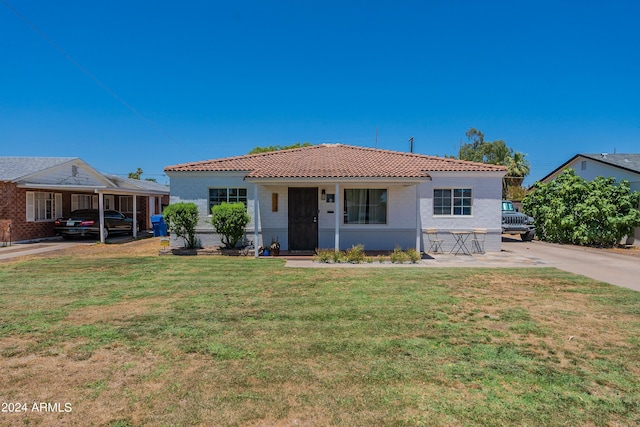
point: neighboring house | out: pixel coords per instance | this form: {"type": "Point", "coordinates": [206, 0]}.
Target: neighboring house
{"type": "Point", "coordinates": [34, 191]}
{"type": "Point", "coordinates": [335, 196]}
{"type": "Point", "coordinates": [618, 166]}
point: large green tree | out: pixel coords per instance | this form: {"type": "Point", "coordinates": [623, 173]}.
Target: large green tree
{"type": "Point", "coordinates": [496, 153]}
{"type": "Point", "coordinates": [573, 210]}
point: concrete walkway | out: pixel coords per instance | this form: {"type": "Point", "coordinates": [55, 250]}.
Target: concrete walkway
{"type": "Point", "coordinates": [22, 249]}
{"type": "Point", "coordinates": [616, 269]}
{"type": "Point", "coordinates": [56, 243]}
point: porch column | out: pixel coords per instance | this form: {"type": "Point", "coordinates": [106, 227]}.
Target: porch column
{"type": "Point", "coordinates": [418, 222]}
{"type": "Point", "coordinates": [101, 215]}
{"type": "Point", "coordinates": [338, 213]}
{"type": "Point", "coordinates": [135, 216]}
{"type": "Point", "coordinates": [255, 220]}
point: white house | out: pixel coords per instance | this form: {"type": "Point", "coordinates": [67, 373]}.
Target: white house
{"type": "Point", "coordinates": [336, 196]}
{"type": "Point", "coordinates": [590, 166]}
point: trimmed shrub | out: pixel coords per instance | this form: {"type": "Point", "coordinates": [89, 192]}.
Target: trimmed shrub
{"type": "Point", "coordinates": [229, 221]}
{"type": "Point", "coordinates": [182, 219]}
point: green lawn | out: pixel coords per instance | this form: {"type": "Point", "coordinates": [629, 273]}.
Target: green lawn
{"type": "Point", "coordinates": [174, 341]}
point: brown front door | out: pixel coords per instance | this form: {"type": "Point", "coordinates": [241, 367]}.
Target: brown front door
{"type": "Point", "coordinates": [303, 219]}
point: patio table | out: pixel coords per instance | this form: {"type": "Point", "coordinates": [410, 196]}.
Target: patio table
{"type": "Point", "coordinates": [460, 245]}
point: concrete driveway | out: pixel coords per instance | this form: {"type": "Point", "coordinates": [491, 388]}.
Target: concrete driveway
{"type": "Point", "coordinates": [616, 269]}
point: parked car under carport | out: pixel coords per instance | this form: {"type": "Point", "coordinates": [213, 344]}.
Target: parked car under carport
{"type": "Point", "coordinates": [86, 222]}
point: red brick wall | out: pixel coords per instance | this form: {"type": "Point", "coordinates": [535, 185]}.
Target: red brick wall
{"type": "Point", "coordinates": [13, 205]}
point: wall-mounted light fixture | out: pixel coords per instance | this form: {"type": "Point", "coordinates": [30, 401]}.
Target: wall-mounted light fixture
{"type": "Point", "coordinates": [323, 194]}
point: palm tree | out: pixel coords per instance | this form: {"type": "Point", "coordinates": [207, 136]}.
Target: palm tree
{"type": "Point", "coordinates": [517, 169]}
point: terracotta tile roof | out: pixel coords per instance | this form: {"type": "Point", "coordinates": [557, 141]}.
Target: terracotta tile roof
{"type": "Point", "coordinates": [335, 161]}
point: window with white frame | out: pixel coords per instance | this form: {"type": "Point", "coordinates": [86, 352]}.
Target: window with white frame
{"type": "Point", "coordinates": [218, 196]}
{"type": "Point", "coordinates": [365, 206]}
{"type": "Point", "coordinates": [452, 201]}
{"type": "Point", "coordinates": [43, 206]}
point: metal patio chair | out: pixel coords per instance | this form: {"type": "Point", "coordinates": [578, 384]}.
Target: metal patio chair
{"type": "Point", "coordinates": [435, 243]}
{"type": "Point", "coordinates": [477, 243]}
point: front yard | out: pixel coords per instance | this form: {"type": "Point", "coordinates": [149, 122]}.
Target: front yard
{"type": "Point", "coordinates": [141, 340]}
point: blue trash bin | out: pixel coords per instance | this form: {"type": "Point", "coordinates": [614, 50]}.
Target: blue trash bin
{"type": "Point", "coordinates": [159, 226]}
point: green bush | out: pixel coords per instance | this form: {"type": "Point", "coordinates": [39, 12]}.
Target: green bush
{"type": "Point", "coordinates": [355, 254]}
{"type": "Point", "coordinates": [572, 210]}
{"type": "Point", "coordinates": [398, 256]}
{"type": "Point", "coordinates": [182, 219]}
{"type": "Point", "coordinates": [338, 256]}
{"type": "Point", "coordinates": [324, 255]}
{"type": "Point", "coordinates": [414, 256]}
{"type": "Point", "coordinates": [229, 221]}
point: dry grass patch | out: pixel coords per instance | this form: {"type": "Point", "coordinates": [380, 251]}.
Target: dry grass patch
{"type": "Point", "coordinates": [142, 340]}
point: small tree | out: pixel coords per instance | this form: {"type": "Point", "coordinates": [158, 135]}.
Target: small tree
{"type": "Point", "coordinates": [182, 219]}
{"type": "Point", "coordinates": [229, 221]}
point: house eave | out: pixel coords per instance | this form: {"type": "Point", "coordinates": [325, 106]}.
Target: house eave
{"type": "Point", "coordinates": [90, 189]}
{"type": "Point", "coordinates": [302, 181]}
{"type": "Point", "coordinates": [61, 187]}
{"type": "Point", "coordinates": [132, 192]}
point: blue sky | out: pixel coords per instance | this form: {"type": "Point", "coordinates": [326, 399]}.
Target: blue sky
{"type": "Point", "coordinates": [160, 83]}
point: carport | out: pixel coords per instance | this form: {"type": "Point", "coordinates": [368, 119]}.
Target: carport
{"type": "Point", "coordinates": [151, 193]}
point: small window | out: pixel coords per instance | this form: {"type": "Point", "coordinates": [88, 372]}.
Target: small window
{"type": "Point", "coordinates": [454, 201]}
{"type": "Point", "coordinates": [583, 165]}
{"type": "Point", "coordinates": [365, 206]}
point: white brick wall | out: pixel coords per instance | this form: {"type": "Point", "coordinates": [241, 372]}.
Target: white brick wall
{"type": "Point", "coordinates": [401, 214]}
{"type": "Point", "coordinates": [486, 209]}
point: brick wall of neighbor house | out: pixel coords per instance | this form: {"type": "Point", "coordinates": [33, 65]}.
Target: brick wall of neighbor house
{"type": "Point", "coordinates": [14, 209]}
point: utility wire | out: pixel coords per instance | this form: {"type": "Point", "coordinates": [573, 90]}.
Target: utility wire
{"type": "Point", "coordinates": [86, 72]}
